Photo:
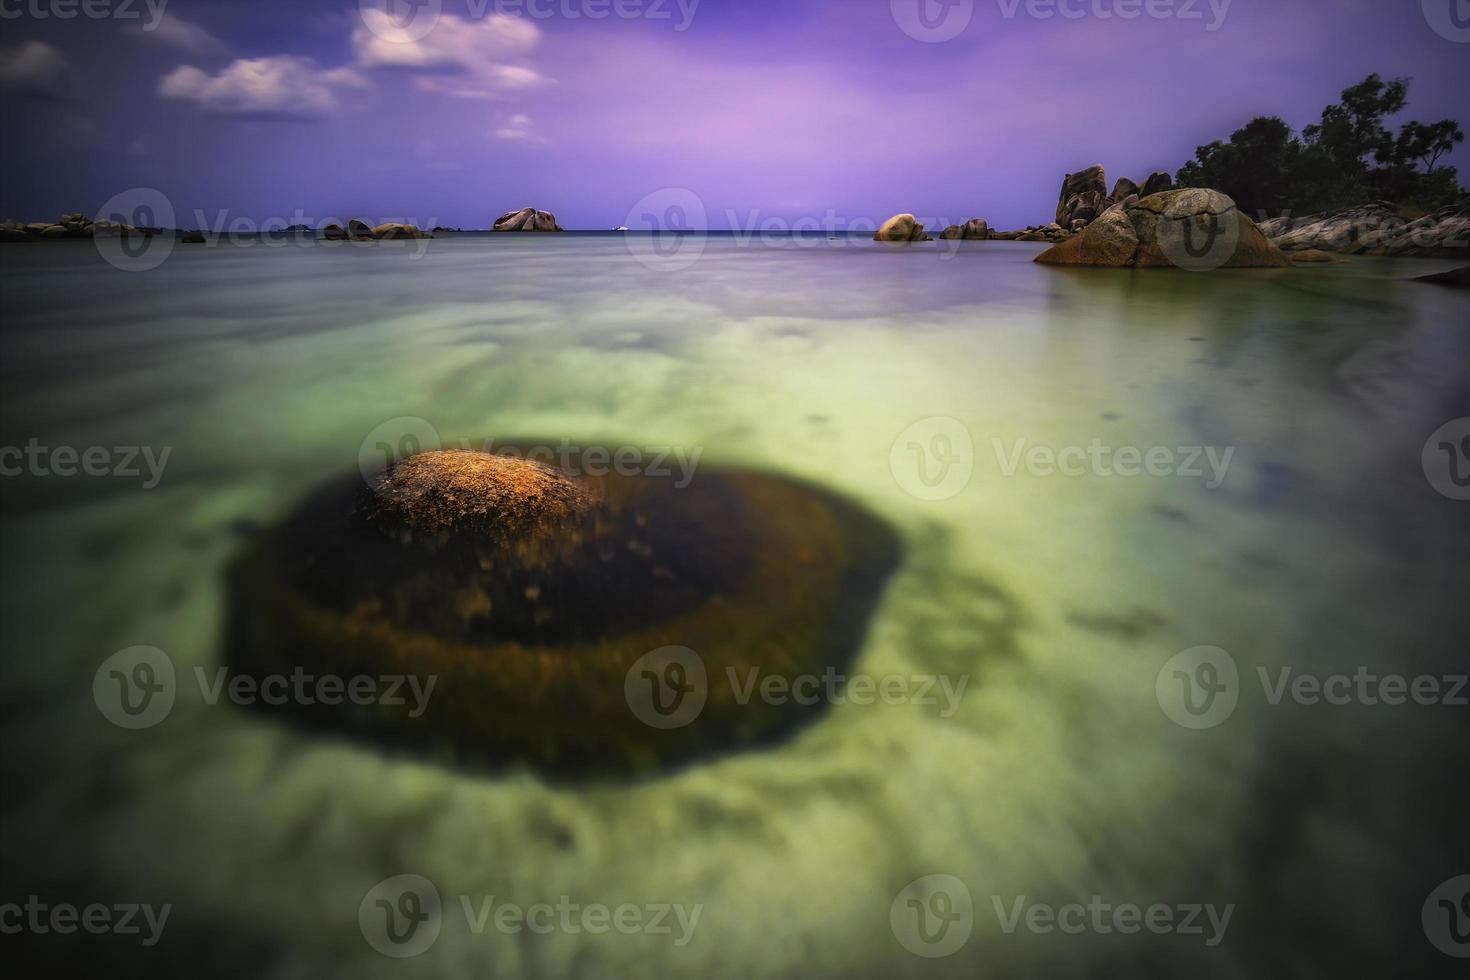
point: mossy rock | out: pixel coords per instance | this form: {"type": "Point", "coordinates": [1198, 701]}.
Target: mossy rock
{"type": "Point", "coordinates": [531, 595]}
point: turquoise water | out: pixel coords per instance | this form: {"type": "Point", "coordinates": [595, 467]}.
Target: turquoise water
{"type": "Point", "coordinates": [917, 381]}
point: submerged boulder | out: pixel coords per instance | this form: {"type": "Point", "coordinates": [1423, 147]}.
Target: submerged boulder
{"type": "Point", "coordinates": [1192, 228]}
{"type": "Point", "coordinates": [573, 617]}
{"type": "Point", "coordinates": [527, 219]}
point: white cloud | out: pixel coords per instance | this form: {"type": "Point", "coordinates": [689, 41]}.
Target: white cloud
{"type": "Point", "coordinates": [518, 129]}
{"type": "Point", "coordinates": [176, 32]}
{"type": "Point", "coordinates": [35, 69]}
{"type": "Point", "coordinates": [280, 87]}
{"type": "Point", "coordinates": [468, 59]}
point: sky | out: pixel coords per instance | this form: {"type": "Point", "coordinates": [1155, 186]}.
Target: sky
{"type": "Point", "coordinates": [741, 114]}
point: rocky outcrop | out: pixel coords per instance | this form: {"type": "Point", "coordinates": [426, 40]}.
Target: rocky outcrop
{"type": "Point", "coordinates": [1376, 228]}
{"type": "Point", "coordinates": [358, 228]}
{"type": "Point", "coordinates": [527, 219]}
{"type": "Point", "coordinates": [974, 230]}
{"type": "Point", "coordinates": [1193, 228]}
{"type": "Point", "coordinates": [1083, 194]}
{"type": "Point", "coordinates": [902, 228]}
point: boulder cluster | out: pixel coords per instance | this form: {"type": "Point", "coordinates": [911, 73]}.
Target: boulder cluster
{"type": "Point", "coordinates": [1085, 195]}
{"type": "Point", "coordinates": [527, 219]}
{"type": "Point", "coordinates": [974, 230]}
{"type": "Point", "coordinates": [359, 230]}
{"type": "Point", "coordinates": [72, 225]}
{"type": "Point", "coordinates": [1191, 228]}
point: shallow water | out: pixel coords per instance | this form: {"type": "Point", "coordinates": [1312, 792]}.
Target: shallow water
{"type": "Point", "coordinates": [1316, 541]}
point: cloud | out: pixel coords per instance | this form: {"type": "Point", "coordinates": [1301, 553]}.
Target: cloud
{"type": "Point", "coordinates": [176, 32]}
{"type": "Point", "coordinates": [468, 59]}
{"type": "Point", "coordinates": [37, 70]}
{"type": "Point", "coordinates": [280, 87]}
{"type": "Point", "coordinates": [518, 129]}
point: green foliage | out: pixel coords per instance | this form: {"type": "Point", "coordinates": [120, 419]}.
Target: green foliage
{"type": "Point", "coordinates": [1268, 169]}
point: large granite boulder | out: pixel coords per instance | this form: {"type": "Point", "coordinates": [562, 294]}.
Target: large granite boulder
{"type": "Point", "coordinates": [1122, 190]}
{"type": "Point", "coordinates": [527, 219]}
{"type": "Point", "coordinates": [1192, 228]}
{"type": "Point", "coordinates": [1157, 183]}
{"type": "Point", "coordinates": [974, 230]}
{"type": "Point", "coordinates": [1083, 196]}
{"type": "Point", "coordinates": [358, 228]}
{"type": "Point", "coordinates": [902, 228]}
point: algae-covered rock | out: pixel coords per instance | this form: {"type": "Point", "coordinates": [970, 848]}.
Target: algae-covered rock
{"type": "Point", "coordinates": [554, 612]}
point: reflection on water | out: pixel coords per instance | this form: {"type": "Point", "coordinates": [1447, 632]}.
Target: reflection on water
{"type": "Point", "coordinates": [1058, 598]}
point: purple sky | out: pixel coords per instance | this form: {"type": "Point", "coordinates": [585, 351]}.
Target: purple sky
{"type": "Point", "coordinates": [767, 110]}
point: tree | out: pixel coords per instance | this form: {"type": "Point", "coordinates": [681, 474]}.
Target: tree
{"type": "Point", "coordinates": [1267, 169]}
